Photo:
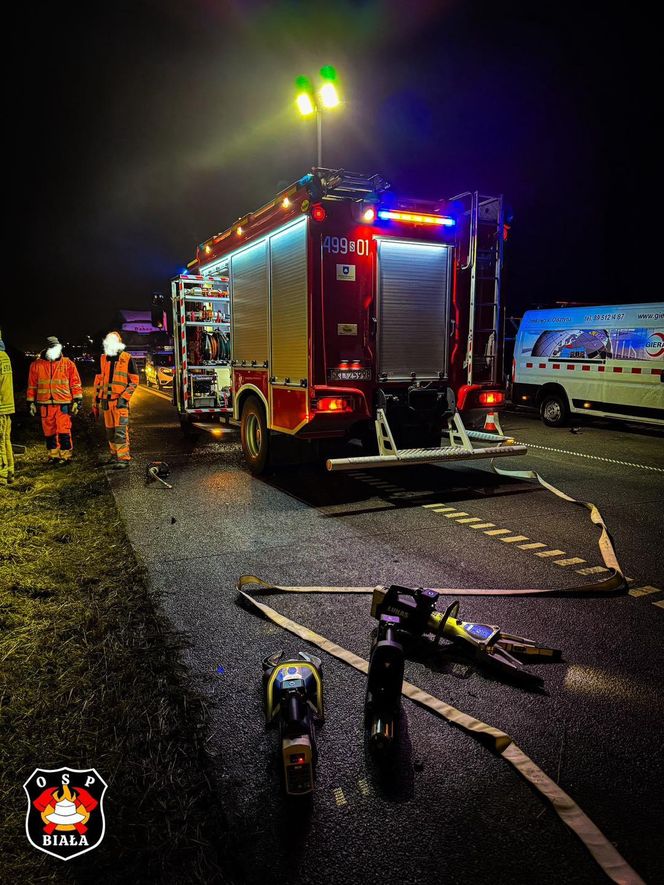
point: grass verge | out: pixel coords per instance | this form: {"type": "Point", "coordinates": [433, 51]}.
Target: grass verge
{"type": "Point", "coordinates": [91, 676]}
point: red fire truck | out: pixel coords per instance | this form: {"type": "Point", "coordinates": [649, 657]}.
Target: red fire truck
{"type": "Point", "coordinates": [353, 314]}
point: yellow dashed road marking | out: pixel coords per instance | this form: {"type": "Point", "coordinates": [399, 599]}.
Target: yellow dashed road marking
{"type": "Point", "coordinates": [659, 603]}
{"type": "Point", "coordinates": [646, 590]}
{"type": "Point", "coordinates": [474, 522]}
{"type": "Point", "coordinates": [574, 560]}
{"type": "Point", "coordinates": [339, 797]}
{"type": "Point", "coordinates": [364, 786]}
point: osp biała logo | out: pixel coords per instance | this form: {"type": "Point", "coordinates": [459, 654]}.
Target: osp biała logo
{"type": "Point", "coordinates": [65, 816]}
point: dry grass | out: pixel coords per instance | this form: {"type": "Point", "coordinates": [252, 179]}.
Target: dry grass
{"type": "Point", "coordinates": [91, 675]}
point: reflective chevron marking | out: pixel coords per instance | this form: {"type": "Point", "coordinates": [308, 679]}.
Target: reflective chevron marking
{"type": "Point", "coordinates": [645, 590]}
{"type": "Point", "coordinates": [574, 560]}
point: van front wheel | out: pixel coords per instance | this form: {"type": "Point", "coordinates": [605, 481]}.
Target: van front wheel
{"type": "Point", "coordinates": [554, 410]}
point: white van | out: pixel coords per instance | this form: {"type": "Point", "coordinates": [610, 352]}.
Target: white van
{"type": "Point", "coordinates": [603, 361]}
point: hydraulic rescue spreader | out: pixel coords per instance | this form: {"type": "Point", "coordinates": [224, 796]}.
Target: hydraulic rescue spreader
{"type": "Point", "coordinates": [417, 615]}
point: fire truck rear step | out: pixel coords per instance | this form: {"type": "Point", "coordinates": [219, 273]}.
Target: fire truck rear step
{"type": "Point", "coordinates": [424, 456]}
{"type": "Point", "coordinates": [460, 448]}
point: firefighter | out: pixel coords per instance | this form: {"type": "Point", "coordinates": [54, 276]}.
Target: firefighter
{"type": "Point", "coordinates": [114, 386]}
{"type": "Point", "coordinates": [54, 387]}
{"type": "Point", "coordinates": [6, 411]}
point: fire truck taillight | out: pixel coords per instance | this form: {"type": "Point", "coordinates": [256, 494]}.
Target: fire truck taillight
{"type": "Point", "coordinates": [416, 218]}
{"type": "Point", "coordinates": [318, 213]}
{"type": "Point", "coordinates": [492, 398]}
{"type": "Point", "coordinates": [334, 404]}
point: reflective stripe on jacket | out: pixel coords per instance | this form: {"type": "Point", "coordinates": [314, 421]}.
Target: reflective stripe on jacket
{"type": "Point", "coordinates": [118, 378]}
{"type": "Point", "coordinates": [53, 381]}
{"type": "Point", "coordinates": [6, 385]}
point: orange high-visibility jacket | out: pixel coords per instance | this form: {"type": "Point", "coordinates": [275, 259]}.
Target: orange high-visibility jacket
{"type": "Point", "coordinates": [51, 382]}
{"type": "Point", "coordinates": [118, 378]}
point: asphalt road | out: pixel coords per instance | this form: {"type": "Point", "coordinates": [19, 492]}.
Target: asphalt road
{"type": "Point", "coordinates": [448, 810]}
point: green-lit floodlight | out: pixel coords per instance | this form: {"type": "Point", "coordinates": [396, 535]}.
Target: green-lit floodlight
{"type": "Point", "coordinates": [305, 96]}
{"type": "Point", "coordinates": [327, 72]}
{"type": "Point", "coordinates": [329, 97]}
{"type": "Point", "coordinates": [310, 103]}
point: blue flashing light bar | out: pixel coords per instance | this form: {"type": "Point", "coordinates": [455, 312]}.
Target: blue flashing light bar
{"type": "Point", "coordinates": [416, 218]}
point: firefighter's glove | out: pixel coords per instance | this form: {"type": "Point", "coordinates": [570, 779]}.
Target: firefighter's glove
{"type": "Point", "coordinates": [123, 403]}
{"type": "Point", "coordinates": [95, 413]}
{"type": "Point", "coordinates": [75, 406]}
{"type": "Point", "coordinates": [33, 409]}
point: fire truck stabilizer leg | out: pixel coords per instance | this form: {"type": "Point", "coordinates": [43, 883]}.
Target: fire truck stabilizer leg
{"type": "Point", "coordinates": [460, 431]}
{"type": "Point", "coordinates": [386, 444]}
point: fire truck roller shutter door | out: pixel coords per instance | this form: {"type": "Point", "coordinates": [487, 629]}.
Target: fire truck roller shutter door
{"type": "Point", "coordinates": [288, 276]}
{"type": "Point", "coordinates": [413, 311]}
{"type": "Point", "coordinates": [250, 315]}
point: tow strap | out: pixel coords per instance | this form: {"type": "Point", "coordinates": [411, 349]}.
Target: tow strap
{"type": "Point", "coordinates": [601, 849]}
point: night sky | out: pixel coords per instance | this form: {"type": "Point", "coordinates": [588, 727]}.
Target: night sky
{"type": "Point", "coordinates": [140, 129]}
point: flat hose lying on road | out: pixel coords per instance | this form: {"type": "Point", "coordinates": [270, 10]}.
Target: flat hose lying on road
{"type": "Point", "coordinates": [604, 853]}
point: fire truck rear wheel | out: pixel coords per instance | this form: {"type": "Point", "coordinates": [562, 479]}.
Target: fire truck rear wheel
{"type": "Point", "coordinates": [554, 410]}
{"type": "Point", "coordinates": [255, 435]}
